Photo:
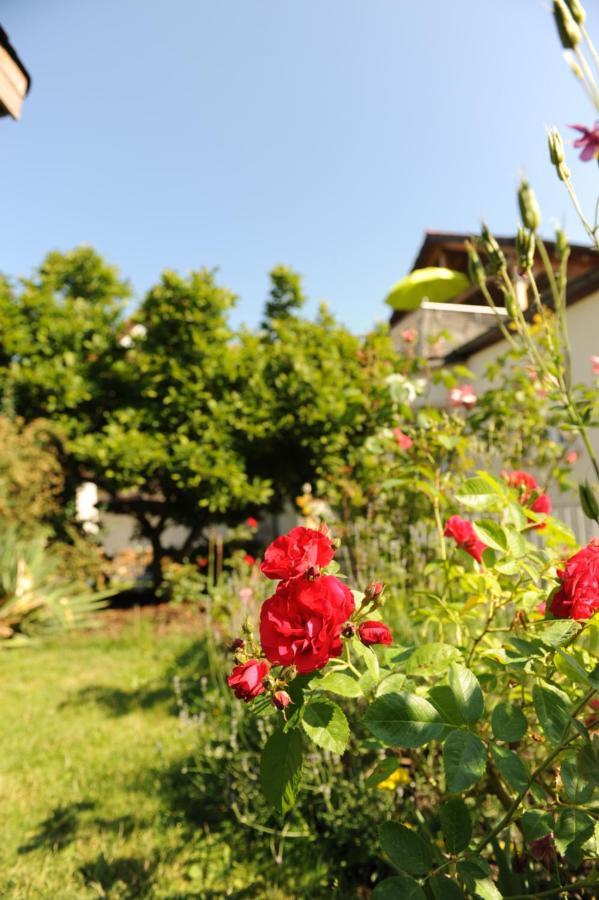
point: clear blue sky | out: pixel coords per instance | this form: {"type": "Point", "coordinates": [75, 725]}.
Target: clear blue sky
{"type": "Point", "coordinates": [326, 134]}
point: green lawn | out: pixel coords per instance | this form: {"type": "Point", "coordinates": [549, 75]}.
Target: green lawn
{"type": "Point", "coordinates": [93, 799]}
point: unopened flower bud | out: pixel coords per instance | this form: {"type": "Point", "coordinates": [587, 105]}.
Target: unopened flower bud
{"type": "Point", "coordinates": [238, 644]}
{"type": "Point", "coordinates": [577, 10]}
{"type": "Point", "coordinates": [567, 28]}
{"type": "Point", "coordinates": [529, 208]}
{"type": "Point", "coordinates": [374, 590]}
{"type": "Point", "coordinates": [348, 630]}
{"type": "Point", "coordinates": [476, 270]}
{"type": "Point", "coordinates": [562, 248]}
{"type": "Point", "coordinates": [247, 628]}
{"type": "Point", "coordinates": [525, 248]}
{"type": "Point", "coordinates": [556, 147]}
{"type": "Point", "coordinates": [281, 699]}
{"type": "Point", "coordinates": [588, 501]}
{"type": "Point", "coordinates": [493, 251]}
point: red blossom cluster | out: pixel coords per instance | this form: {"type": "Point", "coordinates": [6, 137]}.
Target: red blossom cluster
{"type": "Point", "coordinates": [303, 624]}
{"type": "Point", "coordinates": [577, 596]}
{"type": "Point", "coordinates": [530, 494]}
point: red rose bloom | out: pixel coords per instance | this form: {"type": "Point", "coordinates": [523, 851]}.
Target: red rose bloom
{"type": "Point", "coordinates": [301, 623]}
{"type": "Point", "coordinates": [246, 680]}
{"type": "Point", "coordinates": [462, 531]}
{"type": "Point", "coordinates": [251, 522]}
{"type": "Point", "coordinates": [529, 493]}
{"type": "Point", "coordinates": [249, 560]}
{"type": "Point", "coordinates": [578, 594]}
{"type": "Point", "coordinates": [293, 554]}
{"type": "Point", "coordinates": [372, 632]}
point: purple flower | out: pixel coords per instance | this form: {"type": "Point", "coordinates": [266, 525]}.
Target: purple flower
{"type": "Point", "coordinates": [588, 142]}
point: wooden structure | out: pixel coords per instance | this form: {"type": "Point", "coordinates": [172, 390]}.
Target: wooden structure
{"type": "Point", "coordinates": [15, 80]}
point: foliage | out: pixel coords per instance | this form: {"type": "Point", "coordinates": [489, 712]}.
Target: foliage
{"type": "Point", "coordinates": [31, 475]}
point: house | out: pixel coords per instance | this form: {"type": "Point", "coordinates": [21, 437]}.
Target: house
{"type": "Point", "coordinates": [464, 330]}
{"type": "Point", "coordinates": [15, 80]}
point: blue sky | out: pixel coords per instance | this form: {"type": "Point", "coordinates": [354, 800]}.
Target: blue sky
{"type": "Point", "coordinates": [326, 134]}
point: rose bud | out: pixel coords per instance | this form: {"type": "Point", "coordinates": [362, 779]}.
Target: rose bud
{"type": "Point", "coordinates": [281, 699]}
{"type": "Point", "coordinates": [374, 590]}
{"type": "Point", "coordinates": [373, 632]}
{"type": "Point", "coordinates": [246, 680]}
{"type": "Point", "coordinates": [348, 630]}
{"type": "Point", "coordinates": [238, 644]}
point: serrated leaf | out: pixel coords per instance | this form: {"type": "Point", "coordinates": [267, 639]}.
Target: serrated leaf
{"type": "Point", "coordinates": [508, 722]}
{"type": "Point", "coordinates": [464, 760]}
{"type": "Point", "coordinates": [486, 889]}
{"type": "Point", "coordinates": [467, 692]}
{"type": "Point", "coordinates": [403, 720]}
{"type": "Point", "coordinates": [339, 683]}
{"type": "Point", "coordinates": [587, 762]}
{"type": "Point", "coordinates": [569, 666]}
{"type": "Point", "coordinates": [406, 849]}
{"type": "Point", "coordinates": [536, 824]}
{"type": "Point", "coordinates": [456, 825]}
{"type": "Point", "coordinates": [491, 534]}
{"type": "Point", "coordinates": [555, 633]}
{"type": "Point", "coordinates": [553, 709]}
{"type": "Point", "coordinates": [398, 887]}
{"type": "Point", "coordinates": [444, 700]}
{"type": "Point", "coordinates": [443, 888]}
{"type": "Point", "coordinates": [511, 767]}
{"type": "Point", "coordinates": [391, 684]}
{"type": "Point", "coordinates": [477, 494]}
{"type": "Point", "coordinates": [325, 723]}
{"type": "Point", "coordinates": [573, 827]}
{"type": "Point", "coordinates": [281, 769]}
{"type": "Point", "coordinates": [368, 656]}
{"type": "Point", "coordinates": [432, 659]}
{"type": "Point", "coordinates": [577, 788]}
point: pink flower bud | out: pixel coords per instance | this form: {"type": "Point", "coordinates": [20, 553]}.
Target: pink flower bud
{"type": "Point", "coordinates": [281, 699]}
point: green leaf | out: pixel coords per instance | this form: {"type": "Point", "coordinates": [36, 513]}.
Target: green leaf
{"type": "Point", "coordinates": [391, 684]}
{"type": "Point", "coordinates": [569, 666]}
{"type": "Point", "coordinates": [325, 723]}
{"type": "Point", "coordinates": [479, 494]}
{"type": "Point", "coordinates": [486, 889]}
{"type": "Point", "coordinates": [555, 633]}
{"type": "Point", "coordinates": [403, 720]}
{"type": "Point", "coordinates": [511, 767]}
{"type": "Point", "coordinates": [443, 888]}
{"type": "Point", "coordinates": [339, 683]}
{"type": "Point", "coordinates": [553, 709]}
{"type": "Point", "coordinates": [431, 659]}
{"type": "Point", "coordinates": [508, 722]}
{"type": "Point", "coordinates": [406, 849]}
{"type": "Point", "coordinates": [464, 760]}
{"type": "Point", "coordinates": [444, 700]}
{"type": "Point", "coordinates": [398, 887]}
{"type": "Point", "coordinates": [573, 827]}
{"type": "Point", "coordinates": [491, 534]}
{"type": "Point", "coordinates": [467, 692]}
{"type": "Point", "coordinates": [383, 770]}
{"type": "Point", "coordinates": [535, 824]}
{"type": "Point", "coordinates": [473, 868]}
{"type": "Point", "coordinates": [577, 788]}
{"type": "Point", "coordinates": [456, 825]}
{"type": "Point", "coordinates": [281, 769]}
{"type": "Point", "coordinates": [368, 656]}
{"type": "Point", "coordinates": [587, 761]}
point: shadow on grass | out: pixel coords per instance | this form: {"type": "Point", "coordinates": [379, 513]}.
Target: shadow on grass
{"type": "Point", "coordinates": [117, 702]}
{"type": "Point", "coordinates": [59, 829]}
{"type": "Point", "coordinates": [130, 876]}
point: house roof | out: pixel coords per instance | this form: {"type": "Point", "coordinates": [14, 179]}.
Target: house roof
{"type": "Point", "coordinates": [448, 249]}
{"type": "Point", "coordinates": [16, 81]}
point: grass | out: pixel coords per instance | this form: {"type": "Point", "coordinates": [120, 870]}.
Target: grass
{"type": "Point", "coordinates": [91, 748]}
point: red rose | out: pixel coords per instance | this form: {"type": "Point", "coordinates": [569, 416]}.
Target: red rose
{"type": "Point", "coordinates": [246, 680]}
{"type": "Point", "coordinates": [529, 493]}
{"type": "Point", "coordinates": [249, 560]}
{"type": "Point", "coordinates": [578, 594]}
{"type": "Point", "coordinates": [462, 531]}
{"type": "Point", "coordinates": [403, 441]}
{"type": "Point", "coordinates": [301, 623]}
{"type": "Point", "coordinates": [251, 522]}
{"type": "Point", "coordinates": [372, 632]}
{"type": "Point", "coordinates": [293, 554]}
